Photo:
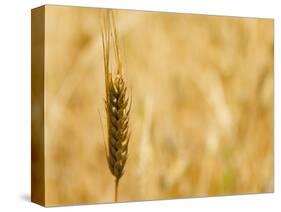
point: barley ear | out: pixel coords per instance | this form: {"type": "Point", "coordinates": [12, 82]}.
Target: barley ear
{"type": "Point", "coordinates": [116, 102]}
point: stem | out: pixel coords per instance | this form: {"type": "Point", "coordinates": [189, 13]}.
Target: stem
{"type": "Point", "coordinates": [116, 189]}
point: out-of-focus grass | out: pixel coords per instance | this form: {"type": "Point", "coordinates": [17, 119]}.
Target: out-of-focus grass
{"type": "Point", "coordinates": [202, 113]}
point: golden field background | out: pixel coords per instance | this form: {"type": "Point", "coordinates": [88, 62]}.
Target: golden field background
{"type": "Point", "coordinates": [202, 112]}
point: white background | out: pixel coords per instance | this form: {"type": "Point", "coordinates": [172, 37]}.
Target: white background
{"type": "Point", "coordinates": [15, 104]}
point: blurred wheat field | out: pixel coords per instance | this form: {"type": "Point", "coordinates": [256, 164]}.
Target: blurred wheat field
{"type": "Point", "coordinates": [202, 111]}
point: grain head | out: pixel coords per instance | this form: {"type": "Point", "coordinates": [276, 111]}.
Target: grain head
{"type": "Point", "coordinates": [116, 102]}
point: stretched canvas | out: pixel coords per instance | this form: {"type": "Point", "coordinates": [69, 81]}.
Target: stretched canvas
{"type": "Point", "coordinates": [136, 105]}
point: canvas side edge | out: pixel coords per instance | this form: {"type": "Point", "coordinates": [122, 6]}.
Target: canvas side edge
{"type": "Point", "coordinates": [37, 105]}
